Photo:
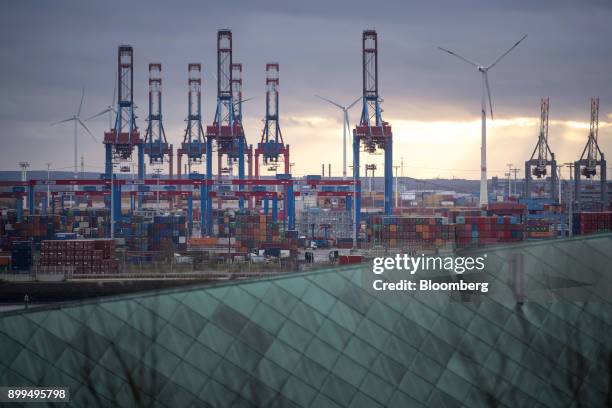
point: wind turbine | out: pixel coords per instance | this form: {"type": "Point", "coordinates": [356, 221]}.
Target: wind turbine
{"type": "Point", "coordinates": [484, 199]}
{"type": "Point", "coordinates": [346, 125]}
{"type": "Point", "coordinates": [77, 121]}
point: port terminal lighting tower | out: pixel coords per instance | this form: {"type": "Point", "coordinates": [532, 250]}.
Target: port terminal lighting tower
{"type": "Point", "coordinates": [271, 145]}
{"type": "Point", "coordinates": [372, 132]}
{"type": "Point", "coordinates": [120, 141]}
{"type": "Point", "coordinates": [537, 166]}
{"type": "Point", "coordinates": [591, 157]}
{"type": "Point", "coordinates": [156, 145]}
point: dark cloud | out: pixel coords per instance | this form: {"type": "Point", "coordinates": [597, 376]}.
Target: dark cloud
{"type": "Point", "coordinates": [51, 49]}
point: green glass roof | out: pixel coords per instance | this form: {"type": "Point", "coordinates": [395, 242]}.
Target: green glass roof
{"type": "Point", "coordinates": [326, 339]}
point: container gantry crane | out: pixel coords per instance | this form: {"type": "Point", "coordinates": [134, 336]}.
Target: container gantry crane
{"type": "Point", "coordinates": [591, 157]}
{"type": "Point", "coordinates": [238, 100]}
{"type": "Point", "coordinates": [193, 145]}
{"type": "Point", "coordinates": [156, 145]}
{"type": "Point", "coordinates": [119, 142]}
{"type": "Point", "coordinates": [537, 166]}
{"type": "Point", "coordinates": [225, 130]}
{"type": "Point", "coordinates": [272, 146]}
{"type": "Point", "coordinates": [372, 132]}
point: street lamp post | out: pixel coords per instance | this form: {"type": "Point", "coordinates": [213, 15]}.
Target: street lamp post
{"type": "Point", "coordinates": [48, 164]}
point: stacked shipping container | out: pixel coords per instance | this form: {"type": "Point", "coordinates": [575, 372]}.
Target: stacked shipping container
{"type": "Point", "coordinates": [21, 255]}
{"type": "Point", "coordinates": [418, 232]}
{"type": "Point", "coordinates": [592, 222]}
{"type": "Point", "coordinates": [487, 230]}
{"type": "Point", "coordinates": [168, 233]}
{"type": "Point", "coordinates": [434, 232]}
{"type": "Point", "coordinates": [540, 229]}
{"type": "Point", "coordinates": [88, 223]}
{"type": "Point", "coordinates": [82, 256]}
{"type": "Point", "coordinates": [253, 230]}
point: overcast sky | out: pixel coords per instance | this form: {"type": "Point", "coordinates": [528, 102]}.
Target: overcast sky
{"type": "Point", "coordinates": [52, 49]}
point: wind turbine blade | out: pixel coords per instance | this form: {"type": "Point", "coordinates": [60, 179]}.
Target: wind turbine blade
{"type": "Point", "coordinates": [488, 92]}
{"type": "Point", "coordinates": [78, 115]}
{"type": "Point", "coordinates": [87, 129]}
{"type": "Point", "coordinates": [353, 104]}
{"type": "Point", "coordinates": [246, 100]}
{"type": "Point", "coordinates": [507, 52]}
{"type": "Point", "coordinates": [62, 121]}
{"type": "Point", "coordinates": [459, 56]}
{"type": "Point", "coordinates": [330, 101]}
{"type": "Point", "coordinates": [99, 114]}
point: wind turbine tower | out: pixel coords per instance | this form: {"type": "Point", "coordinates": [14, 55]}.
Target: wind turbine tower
{"type": "Point", "coordinates": [486, 94]}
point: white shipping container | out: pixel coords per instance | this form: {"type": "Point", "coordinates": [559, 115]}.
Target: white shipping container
{"type": "Point", "coordinates": [226, 241]}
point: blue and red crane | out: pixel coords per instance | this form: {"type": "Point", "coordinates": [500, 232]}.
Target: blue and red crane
{"type": "Point", "coordinates": [193, 145]}
{"type": "Point", "coordinates": [225, 130]}
{"type": "Point", "coordinates": [372, 132]}
{"type": "Point", "coordinates": [120, 141]}
{"type": "Point", "coordinates": [156, 145]}
{"type": "Point", "coordinates": [272, 146]}
{"type": "Point", "coordinates": [238, 100]}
